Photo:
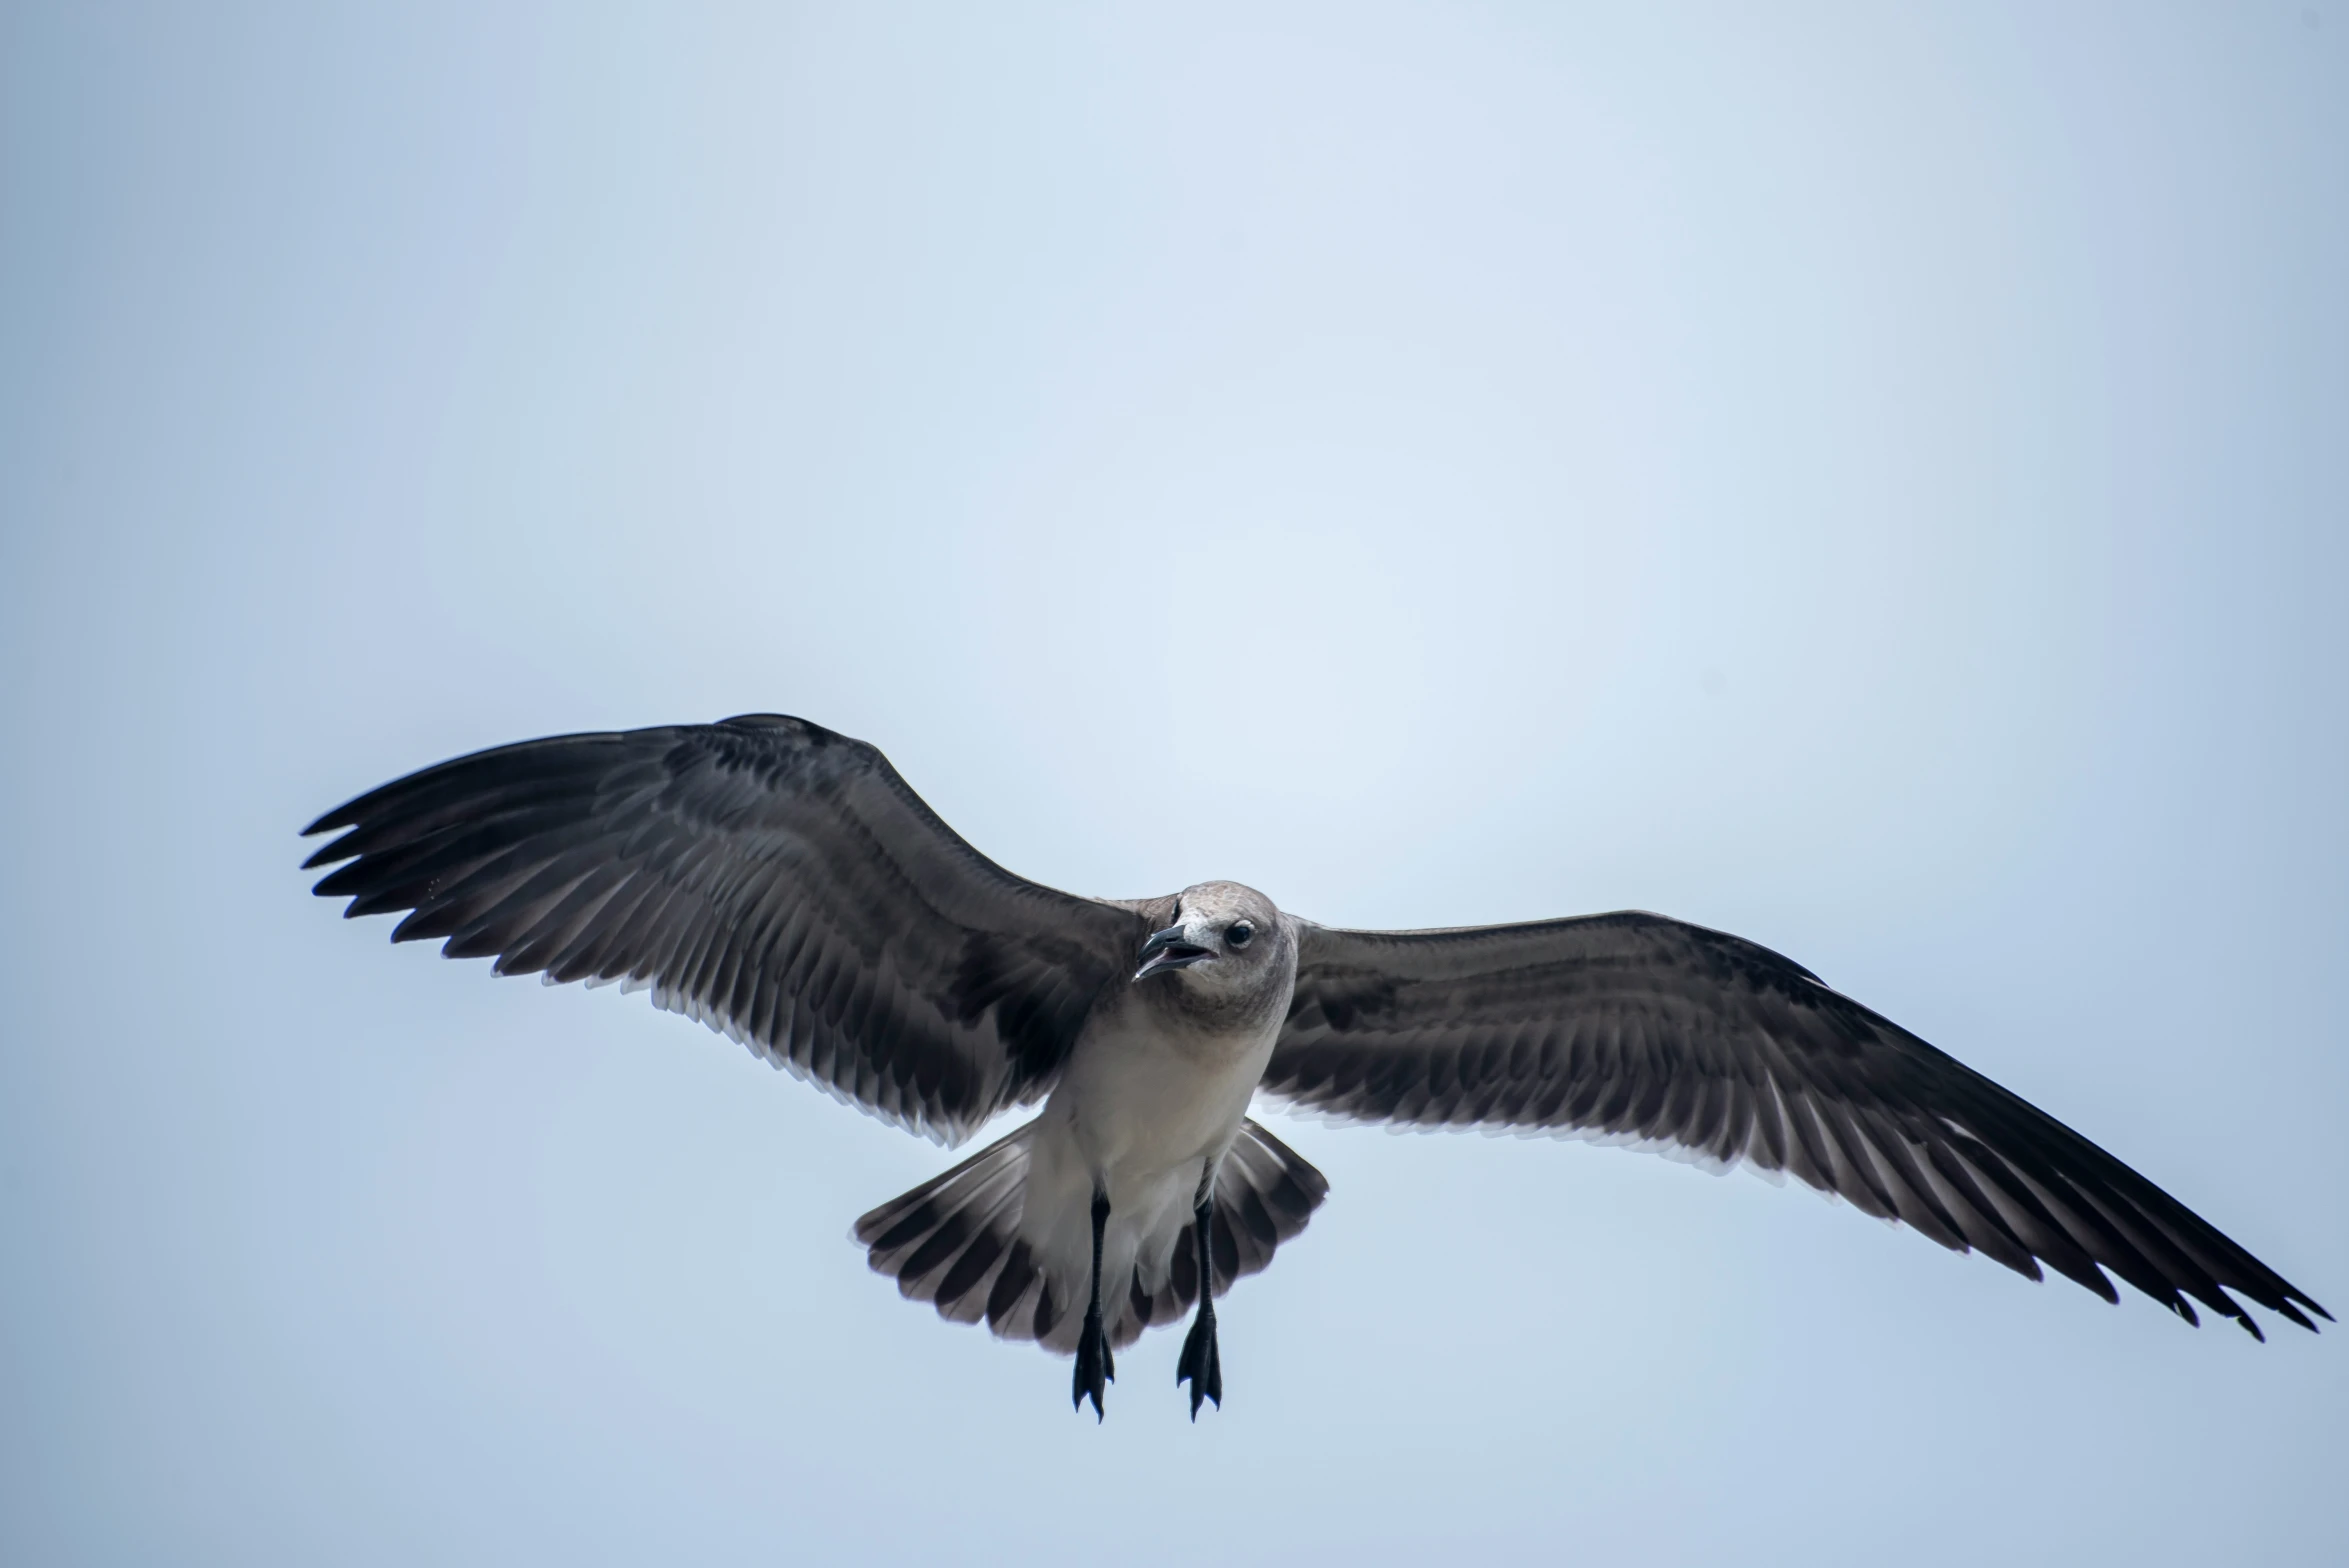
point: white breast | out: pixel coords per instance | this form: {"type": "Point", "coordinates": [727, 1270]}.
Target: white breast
{"type": "Point", "coordinates": [1145, 1104]}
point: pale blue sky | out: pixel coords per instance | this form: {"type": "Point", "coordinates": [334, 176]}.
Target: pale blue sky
{"type": "Point", "coordinates": [1869, 478]}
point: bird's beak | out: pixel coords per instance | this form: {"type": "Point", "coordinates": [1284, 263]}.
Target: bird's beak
{"type": "Point", "coordinates": [1168, 950]}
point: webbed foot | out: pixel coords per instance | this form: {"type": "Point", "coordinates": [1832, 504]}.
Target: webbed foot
{"type": "Point", "coordinates": [1202, 1361]}
{"type": "Point", "coordinates": [1096, 1367]}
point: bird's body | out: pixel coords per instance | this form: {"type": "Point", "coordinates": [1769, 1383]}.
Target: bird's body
{"type": "Point", "coordinates": [782, 883]}
{"type": "Point", "coordinates": [1155, 1089]}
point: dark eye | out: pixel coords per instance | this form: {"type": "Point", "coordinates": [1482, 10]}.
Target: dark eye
{"type": "Point", "coordinates": [1239, 933]}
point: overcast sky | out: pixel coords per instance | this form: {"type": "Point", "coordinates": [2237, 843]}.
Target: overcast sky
{"type": "Point", "coordinates": [1870, 478]}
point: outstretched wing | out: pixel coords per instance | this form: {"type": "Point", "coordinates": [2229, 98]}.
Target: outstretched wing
{"type": "Point", "coordinates": [1635, 1028]}
{"type": "Point", "coordinates": [777, 881]}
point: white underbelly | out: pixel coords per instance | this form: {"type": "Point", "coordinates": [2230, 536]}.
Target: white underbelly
{"type": "Point", "coordinates": [1140, 1120]}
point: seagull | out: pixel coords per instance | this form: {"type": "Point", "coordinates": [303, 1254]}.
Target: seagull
{"type": "Point", "coordinates": [782, 884]}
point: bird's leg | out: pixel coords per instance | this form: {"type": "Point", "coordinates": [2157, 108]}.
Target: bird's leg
{"type": "Point", "coordinates": [1202, 1363]}
{"type": "Point", "coordinates": [1095, 1365]}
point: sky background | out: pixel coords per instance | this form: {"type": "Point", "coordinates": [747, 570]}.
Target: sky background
{"type": "Point", "coordinates": [1869, 478]}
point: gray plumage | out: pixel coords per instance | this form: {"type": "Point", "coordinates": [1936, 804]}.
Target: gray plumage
{"type": "Point", "coordinates": [782, 884]}
{"type": "Point", "coordinates": [775, 880]}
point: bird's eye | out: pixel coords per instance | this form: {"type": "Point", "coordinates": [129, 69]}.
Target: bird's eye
{"type": "Point", "coordinates": [1239, 933]}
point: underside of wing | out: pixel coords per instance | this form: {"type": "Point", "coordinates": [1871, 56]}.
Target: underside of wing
{"type": "Point", "coordinates": [763, 874]}
{"type": "Point", "coordinates": [1632, 1027]}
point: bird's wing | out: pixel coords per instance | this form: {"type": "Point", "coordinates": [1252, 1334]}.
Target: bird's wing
{"type": "Point", "coordinates": [775, 880]}
{"type": "Point", "coordinates": [1634, 1028]}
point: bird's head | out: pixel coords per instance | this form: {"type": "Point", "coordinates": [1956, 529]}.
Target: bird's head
{"type": "Point", "coordinates": [1222, 940]}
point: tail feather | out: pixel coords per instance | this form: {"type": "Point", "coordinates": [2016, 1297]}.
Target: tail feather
{"type": "Point", "coordinates": [1264, 1195]}
{"type": "Point", "coordinates": [954, 1241]}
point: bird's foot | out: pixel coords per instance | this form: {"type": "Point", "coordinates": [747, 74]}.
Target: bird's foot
{"type": "Point", "coordinates": [1202, 1363]}
{"type": "Point", "coordinates": [1096, 1367]}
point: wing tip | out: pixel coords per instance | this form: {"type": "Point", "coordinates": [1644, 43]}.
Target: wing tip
{"type": "Point", "coordinates": [2289, 1305]}
{"type": "Point", "coordinates": [327, 854]}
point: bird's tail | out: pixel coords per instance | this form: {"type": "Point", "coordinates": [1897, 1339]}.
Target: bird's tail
{"type": "Point", "coordinates": [954, 1241]}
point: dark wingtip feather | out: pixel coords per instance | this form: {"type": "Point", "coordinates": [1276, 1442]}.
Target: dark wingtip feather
{"type": "Point", "coordinates": [344, 880]}
{"type": "Point", "coordinates": [355, 810]}
{"type": "Point", "coordinates": [2100, 1282]}
{"type": "Point", "coordinates": [326, 855]}
{"type": "Point", "coordinates": [424, 925]}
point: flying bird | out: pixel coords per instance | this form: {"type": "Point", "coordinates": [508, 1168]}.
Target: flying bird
{"type": "Point", "coordinates": [784, 885]}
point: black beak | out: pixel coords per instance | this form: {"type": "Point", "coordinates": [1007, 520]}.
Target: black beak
{"type": "Point", "coordinates": [1167, 950]}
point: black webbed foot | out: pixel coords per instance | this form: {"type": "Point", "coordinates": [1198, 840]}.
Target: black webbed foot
{"type": "Point", "coordinates": [1096, 1367]}
{"type": "Point", "coordinates": [1202, 1362]}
